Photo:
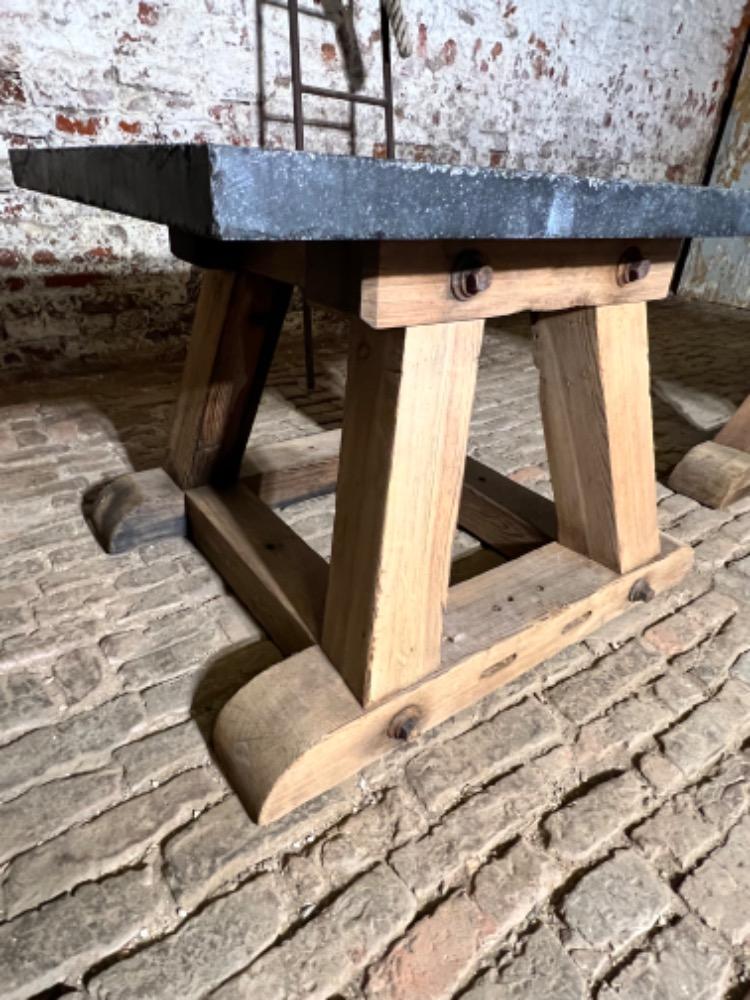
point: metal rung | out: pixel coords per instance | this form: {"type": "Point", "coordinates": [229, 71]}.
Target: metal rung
{"type": "Point", "coordinates": [307, 11]}
{"type": "Point", "coordinates": [343, 95]}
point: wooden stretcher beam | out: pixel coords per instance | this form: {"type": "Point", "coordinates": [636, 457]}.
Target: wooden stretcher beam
{"type": "Point", "coordinates": [395, 283]}
{"type": "Point", "coordinates": [296, 730]}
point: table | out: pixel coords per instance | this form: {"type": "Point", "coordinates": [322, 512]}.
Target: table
{"type": "Point", "coordinates": [377, 646]}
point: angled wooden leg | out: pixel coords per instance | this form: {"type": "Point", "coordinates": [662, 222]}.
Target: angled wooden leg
{"type": "Point", "coordinates": [596, 409]}
{"type": "Point", "coordinates": [237, 324]}
{"type": "Point", "coordinates": [406, 421]}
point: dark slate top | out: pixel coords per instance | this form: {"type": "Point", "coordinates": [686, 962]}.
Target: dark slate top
{"type": "Point", "coordinates": [233, 193]}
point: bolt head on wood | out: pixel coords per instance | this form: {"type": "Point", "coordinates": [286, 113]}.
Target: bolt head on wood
{"type": "Point", "coordinates": [405, 724]}
{"type": "Point", "coordinates": [470, 275]}
{"type": "Point", "coordinates": [641, 591]}
{"type": "Point", "coordinates": [632, 266]}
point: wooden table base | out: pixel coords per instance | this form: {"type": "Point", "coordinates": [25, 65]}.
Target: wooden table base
{"type": "Point", "coordinates": [379, 646]}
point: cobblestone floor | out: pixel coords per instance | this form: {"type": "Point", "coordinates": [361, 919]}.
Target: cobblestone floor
{"type": "Point", "coordinates": [584, 832]}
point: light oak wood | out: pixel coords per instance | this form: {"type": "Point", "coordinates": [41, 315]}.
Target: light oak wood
{"type": "Point", "coordinates": [237, 323]}
{"type": "Point", "coordinates": [503, 514]}
{"type": "Point", "coordinates": [736, 432]}
{"type": "Point", "coordinates": [596, 410]}
{"type": "Point", "coordinates": [275, 574]}
{"type": "Point", "coordinates": [712, 474]}
{"type": "Point", "coordinates": [289, 471]}
{"type": "Point", "coordinates": [407, 284]}
{"type": "Point", "coordinates": [406, 423]}
{"type": "Point", "coordinates": [296, 730]}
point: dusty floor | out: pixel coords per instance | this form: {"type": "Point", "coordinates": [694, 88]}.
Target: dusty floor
{"type": "Point", "coordinates": [584, 832]}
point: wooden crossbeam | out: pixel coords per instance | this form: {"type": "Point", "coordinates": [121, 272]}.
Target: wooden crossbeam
{"type": "Point", "coordinates": [392, 283]}
{"type": "Point", "coordinates": [296, 730]}
{"type": "Point", "coordinates": [276, 575]}
{"type": "Point", "coordinates": [501, 513]}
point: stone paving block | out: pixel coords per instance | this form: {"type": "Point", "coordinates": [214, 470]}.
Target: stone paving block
{"type": "Point", "coordinates": [719, 888]}
{"type": "Point", "coordinates": [439, 775]}
{"type": "Point", "coordinates": [542, 971]}
{"type": "Point", "coordinates": [68, 935]}
{"type": "Point", "coordinates": [710, 663]}
{"type": "Point", "coordinates": [687, 826]}
{"type": "Point", "coordinates": [46, 810]}
{"type": "Point", "coordinates": [590, 692]}
{"type": "Point", "coordinates": [609, 742]}
{"type": "Point", "coordinates": [698, 524]}
{"type": "Point", "coordinates": [369, 834]}
{"type": "Point", "coordinates": [113, 840]}
{"type": "Point", "coordinates": [324, 954]}
{"type": "Point", "coordinates": [691, 625]}
{"type": "Point", "coordinates": [151, 760]}
{"type": "Point", "coordinates": [79, 673]}
{"type": "Point", "coordinates": [660, 773]}
{"type": "Point", "coordinates": [509, 887]}
{"type": "Point", "coordinates": [587, 823]}
{"type": "Point", "coordinates": [435, 956]}
{"type": "Point", "coordinates": [617, 901]}
{"type": "Point", "coordinates": [79, 743]}
{"type": "Point", "coordinates": [223, 842]}
{"type": "Point", "coordinates": [207, 948]}
{"type": "Point", "coordinates": [685, 960]}
{"type": "Point", "coordinates": [708, 730]}
{"type": "Point", "coordinates": [470, 831]}
{"type": "Point", "coordinates": [27, 701]}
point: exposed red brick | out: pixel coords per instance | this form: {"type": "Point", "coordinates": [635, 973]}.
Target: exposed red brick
{"type": "Point", "coordinates": [422, 40]}
{"type": "Point", "coordinates": [44, 257]}
{"type": "Point", "coordinates": [9, 258]}
{"type": "Point", "coordinates": [438, 951]}
{"type": "Point", "coordinates": [11, 88]}
{"type": "Point", "coordinates": [148, 14]}
{"type": "Point", "coordinates": [15, 284]}
{"type": "Point", "coordinates": [328, 51]}
{"type": "Point", "coordinates": [132, 128]}
{"type": "Point", "coordinates": [77, 126]}
{"type": "Point", "coordinates": [496, 50]}
{"type": "Point", "coordinates": [100, 253]}
{"type": "Point", "coordinates": [72, 280]}
{"type": "Point", "coordinates": [449, 51]}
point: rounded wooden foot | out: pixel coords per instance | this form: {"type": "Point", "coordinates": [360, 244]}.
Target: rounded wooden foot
{"type": "Point", "coordinates": [712, 474]}
{"type": "Point", "coordinates": [137, 507]}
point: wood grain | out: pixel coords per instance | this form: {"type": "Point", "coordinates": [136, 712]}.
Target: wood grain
{"type": "Point", "coordinates": [296, 730]}
{"type": "Point", "coordinates": [596, 410]}
{"type": "Point", "coordinates": [276, 575]}
{"type": "Point", "coordinates": [237, 323]}
{"type": "Point", "coordinates": [736, 432]}
{"type": "Point", "coordinates": [712, 474]}
{"type": "Point", "coordinates": [406, 422]}
{"type": "Point", "coordinates": [405, 284]}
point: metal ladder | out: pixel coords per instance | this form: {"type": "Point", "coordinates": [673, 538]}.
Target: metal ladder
{"type": "Point", "coordinates": [351, 97]}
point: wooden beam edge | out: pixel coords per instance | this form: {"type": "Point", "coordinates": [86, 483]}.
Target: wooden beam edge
{"type": "Point", "coordinates": [315, 748]}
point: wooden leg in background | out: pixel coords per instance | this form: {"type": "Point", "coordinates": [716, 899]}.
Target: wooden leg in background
{"type": "Point", "coordinates": [716, 473]}
{"type": "Point", "coordinates": [406, 421]}
{"type": "Point", "coordinates": [596, 409]}
{"type": "Point", "coordinates": [236, 328]}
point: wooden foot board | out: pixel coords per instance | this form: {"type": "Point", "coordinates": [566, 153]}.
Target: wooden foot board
{"type": "Point", "coordinates": [296, 730]}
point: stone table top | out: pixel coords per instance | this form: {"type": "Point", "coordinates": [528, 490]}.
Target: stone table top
{"type": "Point", "coordinates": [237, 193]}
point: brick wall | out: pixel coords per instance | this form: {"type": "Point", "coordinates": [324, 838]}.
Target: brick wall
{"type": "Point", "coordinates": [546, 84]}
